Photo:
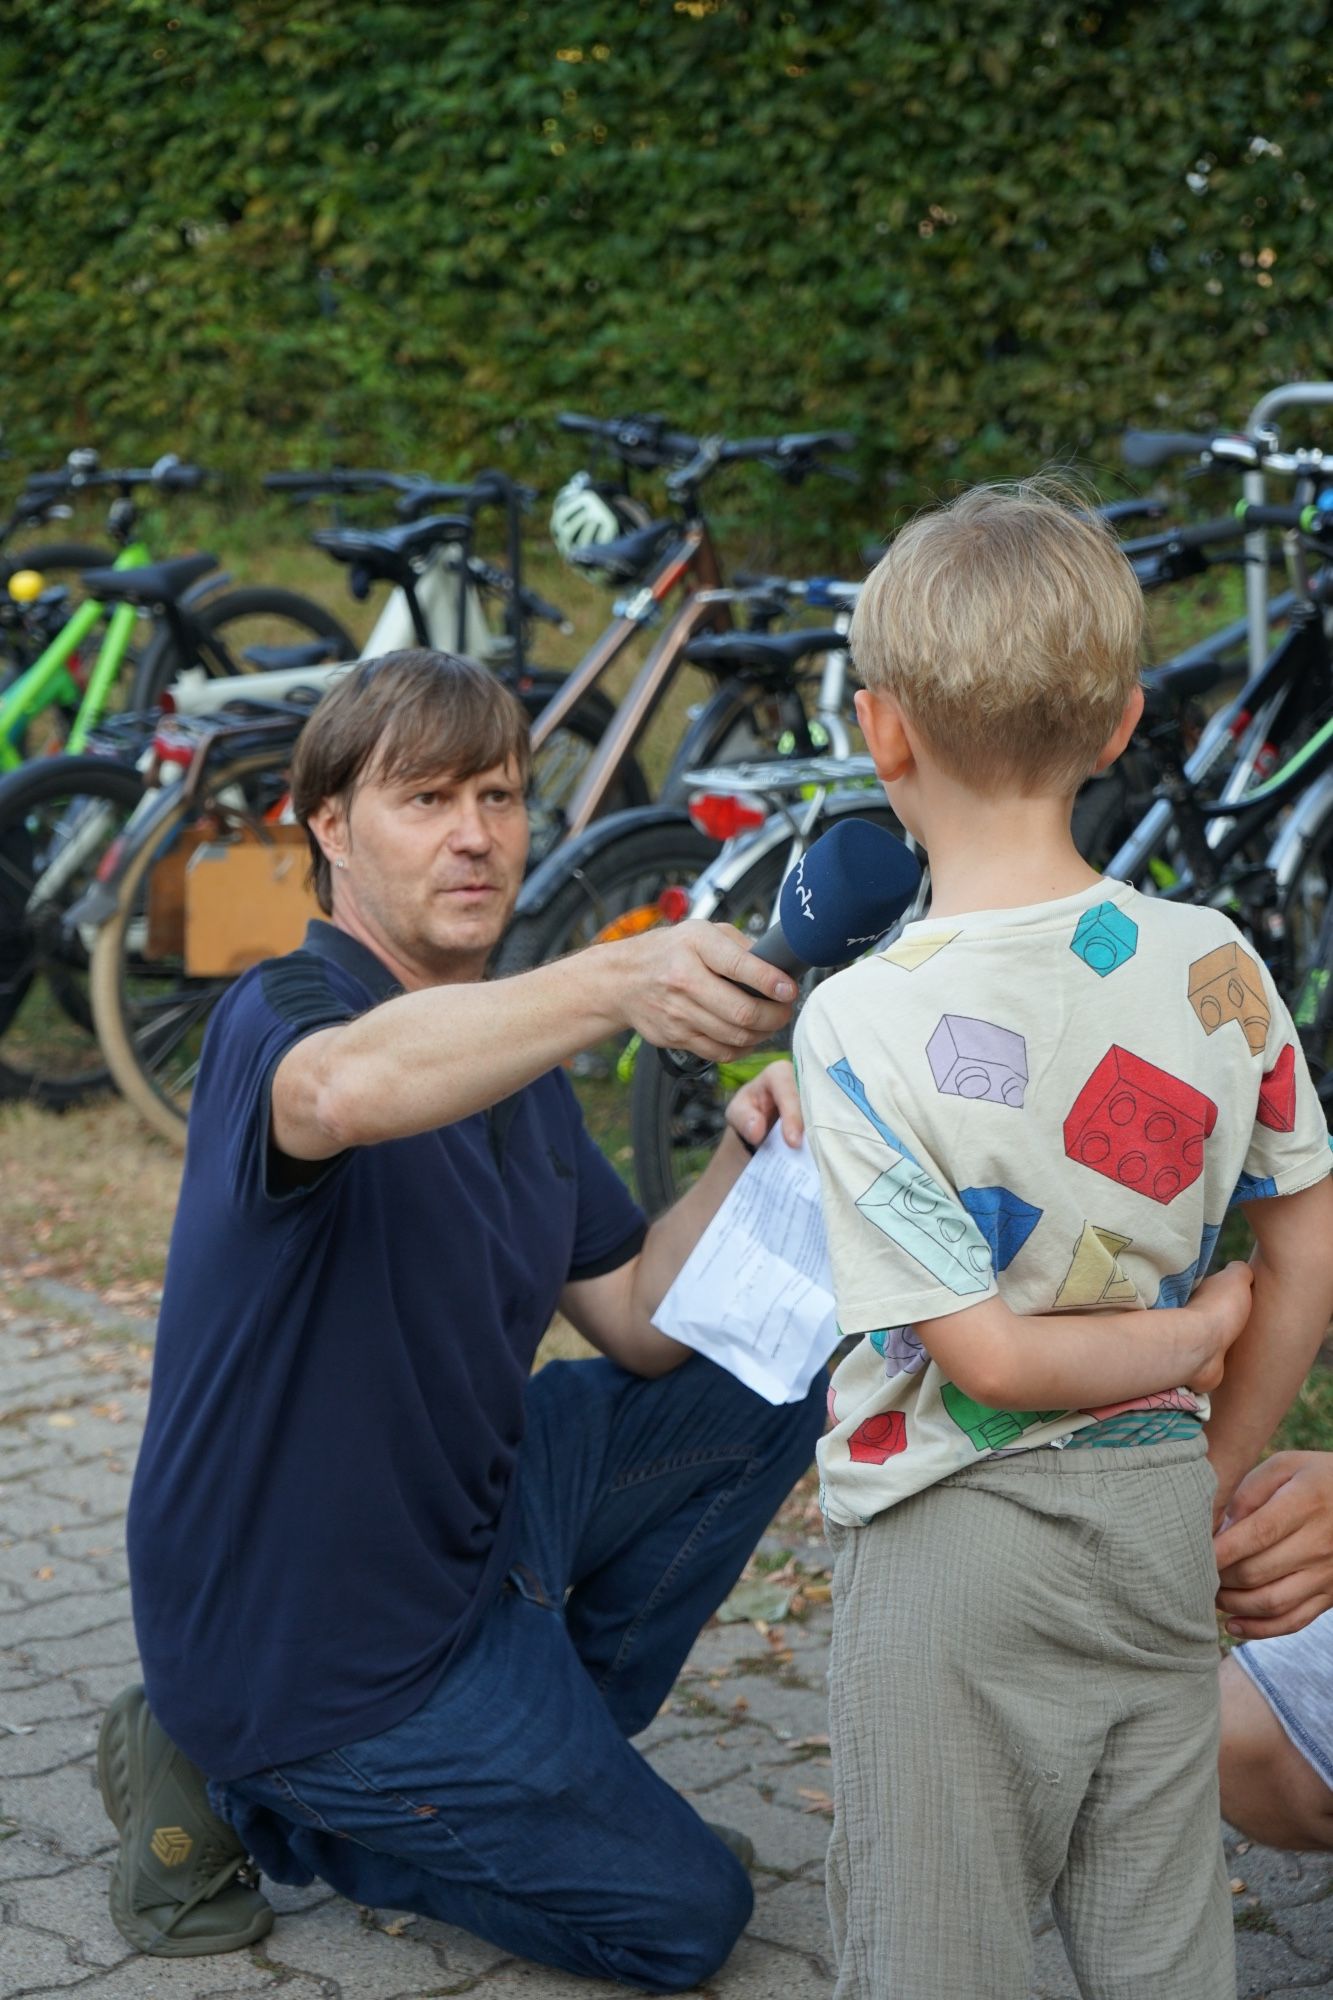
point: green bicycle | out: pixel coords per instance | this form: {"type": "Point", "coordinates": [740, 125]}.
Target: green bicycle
{"type": "Point", "coordinates": [199, 622]}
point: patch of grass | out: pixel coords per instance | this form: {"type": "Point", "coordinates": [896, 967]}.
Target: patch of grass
{"type": "Point", "coordinates": [88, 1196]}
{"type": "Point", "coordinates": [1308, 1424]}
{"type": "Point", "coordinates": [1255, 1918]}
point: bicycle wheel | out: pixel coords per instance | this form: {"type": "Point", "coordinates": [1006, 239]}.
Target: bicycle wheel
{"type": "Point", "coordinates": [57, 819]}
{"type": "Point", "coordinates": [677, 1121]}
{"type": "Point", "coordinates": [627, 875]}
{"type": "Point", "coordinates": [150, 1012]}
{"type": "Point", "coordinates": [256, 615]}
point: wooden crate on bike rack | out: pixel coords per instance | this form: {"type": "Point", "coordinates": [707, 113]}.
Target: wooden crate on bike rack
{"type": "Point", "coordinates": [246, 900]}
{"type": "Point", "coordinates": [166, 897]}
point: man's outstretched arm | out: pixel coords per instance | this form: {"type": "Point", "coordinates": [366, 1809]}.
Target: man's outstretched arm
{"type": "Point", "coordinates": [429, 1058]}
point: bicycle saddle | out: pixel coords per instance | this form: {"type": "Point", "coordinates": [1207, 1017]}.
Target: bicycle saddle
{"type": "Point", "coordinates": [763, 652]}
{"type": "Point", "coordinates": [155, 583]}
{"type": "Point", "coordinates": [628, 557]}
{"type": "Point", "coordinates": [284, 659]}
{"type": "Point", "coordinates": [392, 552]}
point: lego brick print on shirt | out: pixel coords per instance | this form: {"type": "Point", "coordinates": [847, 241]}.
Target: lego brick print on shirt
{"type": "Point", "coordinates": [1277, 1093]}
{"type": "Point", "coordinates": [913, 1210]}
{"type": "Point", "coordinates": [1106, 938]}
{"type": "Point", "coordinates": [1226, 985]}
{"type": "Point", "coordinates": [979, 1060]}
{"type": "Point", "coordinates": [1140, 1127]}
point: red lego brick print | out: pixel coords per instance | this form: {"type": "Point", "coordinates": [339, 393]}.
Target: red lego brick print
{"type": "Point", "coordinates": [878, 1438]}
{"type": "Point", "coordinates": [1140, 1127]}
{"type": "Point", "coordinates": [1277, 1093]}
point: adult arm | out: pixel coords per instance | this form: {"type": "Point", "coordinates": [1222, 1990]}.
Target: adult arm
{"type": "Point", "coordinates": [429, 1058]}
{"type": "Point", "coordinates": [1079, 1360]}
{"type": "Point", "coordinates": [615, 1311]}
{"type": "Point", "coordinates": [1275, 1549]}
{"type": "Point", "coordinates": [1293, 1299]}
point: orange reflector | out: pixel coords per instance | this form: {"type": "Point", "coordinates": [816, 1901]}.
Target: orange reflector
{"type": "Point", "coordinates": [631, 923]}
{"type": "Point", "coordinates": [722, 815]}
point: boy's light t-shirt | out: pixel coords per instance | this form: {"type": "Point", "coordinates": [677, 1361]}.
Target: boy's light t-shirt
{"type": "Point", "coordinates": [1058, 1103]}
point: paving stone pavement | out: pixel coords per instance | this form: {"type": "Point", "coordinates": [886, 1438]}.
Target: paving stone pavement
{"type": "Point", "coordinates": [743, 1735]}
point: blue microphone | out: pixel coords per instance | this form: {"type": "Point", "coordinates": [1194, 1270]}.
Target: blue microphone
{"type": "Point", "coordinates": [843, 893]}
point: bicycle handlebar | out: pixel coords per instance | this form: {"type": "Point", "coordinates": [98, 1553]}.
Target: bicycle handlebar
{"type": "Point", "coordinates": [311, 485]}
{"type": "Point", "coordinates": [169, 475]}
{"type": "Point", "coordinates": [1304, 520]}
{"type": "Point", "coordinates": [1190, 535]}
{"type": "Point", "coordinates": [646, 442]}
{"type": "Point", "coordinates": [1146, 449]}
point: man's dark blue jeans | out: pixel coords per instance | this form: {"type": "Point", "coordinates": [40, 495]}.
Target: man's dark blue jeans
{"type": "Point", "coordinates": [512, 1803]}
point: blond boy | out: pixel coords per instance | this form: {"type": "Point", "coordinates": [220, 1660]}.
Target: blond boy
{"type": "Point", "coordinates": [1031, 1114]}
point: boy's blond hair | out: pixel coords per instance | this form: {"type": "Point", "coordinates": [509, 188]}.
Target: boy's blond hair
{"type": "Point", "coordinates": [1007, 625]}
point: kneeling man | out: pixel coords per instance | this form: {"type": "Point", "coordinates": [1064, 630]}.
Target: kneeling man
{"type": "Point", "coordinates": [403, 1604]}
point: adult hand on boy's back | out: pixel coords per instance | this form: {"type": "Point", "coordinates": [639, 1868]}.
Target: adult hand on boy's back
{"type": "Point", "coordinates": [1275, 1549]}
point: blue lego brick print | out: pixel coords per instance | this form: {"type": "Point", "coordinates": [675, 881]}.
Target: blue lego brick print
{"type": "Point", "coordinates": [914, 1212]}
{"type": "Point", "coordinates": [1003, 1218]}
{"type": "Point", "coordinates": [1255, 1187]}
{"type": "Point", "coordinates": [1175, 1290]}
{"type": "Point", "coordinates": [851, 1085]}
{"type": "Point", "coordinates": [1105, 939]}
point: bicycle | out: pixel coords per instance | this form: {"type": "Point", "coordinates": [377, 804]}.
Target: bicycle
{"type": "Point", "coordinates": [626, 870]}
{"type": "Point", "coordinates": [1254, 835]}
{"type": "Point", "coordinates": [199, 621]}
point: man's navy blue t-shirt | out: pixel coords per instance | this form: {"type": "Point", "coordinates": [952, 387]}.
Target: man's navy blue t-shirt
{"type": "Point", "coordinates": [323, 1505]}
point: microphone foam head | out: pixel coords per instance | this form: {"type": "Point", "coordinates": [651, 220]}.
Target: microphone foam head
{"type": "Point", "coordinates": [845, 891]}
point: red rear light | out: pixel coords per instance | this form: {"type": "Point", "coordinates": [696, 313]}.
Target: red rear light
{"type": "Point", "coordinates": [722, 815]}
{"type": "Point", "coordinates": [673, 904]}
{"type": "Point", "coordinates": [171, 749]}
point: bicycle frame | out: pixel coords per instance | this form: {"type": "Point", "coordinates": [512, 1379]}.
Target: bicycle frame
{"type": "Point", "coordinates": [1237, 814]}
{"type": "Point", "coordinates": [47, 678]}
{"type": "Point", "coordinates": [692, 555]}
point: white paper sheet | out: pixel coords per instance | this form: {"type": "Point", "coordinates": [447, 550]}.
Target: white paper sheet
{"type": "Point", "coordinates": [756, 1294]}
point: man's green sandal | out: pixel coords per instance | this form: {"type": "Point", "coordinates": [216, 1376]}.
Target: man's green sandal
{"type": "Point", "coordinates": [176, 1889]}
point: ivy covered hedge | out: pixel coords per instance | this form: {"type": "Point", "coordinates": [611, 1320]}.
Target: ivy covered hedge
{"type": "Point", "coordinates": [981, 233]}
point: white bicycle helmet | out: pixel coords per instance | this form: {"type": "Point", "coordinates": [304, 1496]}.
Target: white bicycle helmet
{"type": "Point", "coordinates": [585, 512]}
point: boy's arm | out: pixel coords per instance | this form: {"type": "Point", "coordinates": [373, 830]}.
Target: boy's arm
{"type": "Point", "coordinates": [1293, 1298]}
{"type": "Point", "coordinates": [1068, 1361]}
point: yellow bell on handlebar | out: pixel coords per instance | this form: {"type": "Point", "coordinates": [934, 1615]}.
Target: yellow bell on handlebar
{"type": "Point", "coordinates": [26, 585]}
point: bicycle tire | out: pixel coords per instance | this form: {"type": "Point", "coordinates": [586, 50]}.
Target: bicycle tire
{"type": "Point", "coordinates": [122, 1020]}
{"type": "Point", "coordinates": [48, 1050]}
{"type": "Point", "coordinates": [301, 617]}
{"type": "Point", "coordinates": [676, 1122]}
{"type": "Point", "coordinates": [608, 883]}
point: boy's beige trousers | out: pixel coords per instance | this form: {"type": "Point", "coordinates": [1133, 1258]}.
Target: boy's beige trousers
{"type": "Point", "coordinates": [1023, 1705]}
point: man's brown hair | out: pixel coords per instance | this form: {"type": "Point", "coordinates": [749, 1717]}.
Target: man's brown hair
{"type": "Point", "coordinates": [1008, 627]}
{"type": "Point", "coordinates": [406, 716]}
